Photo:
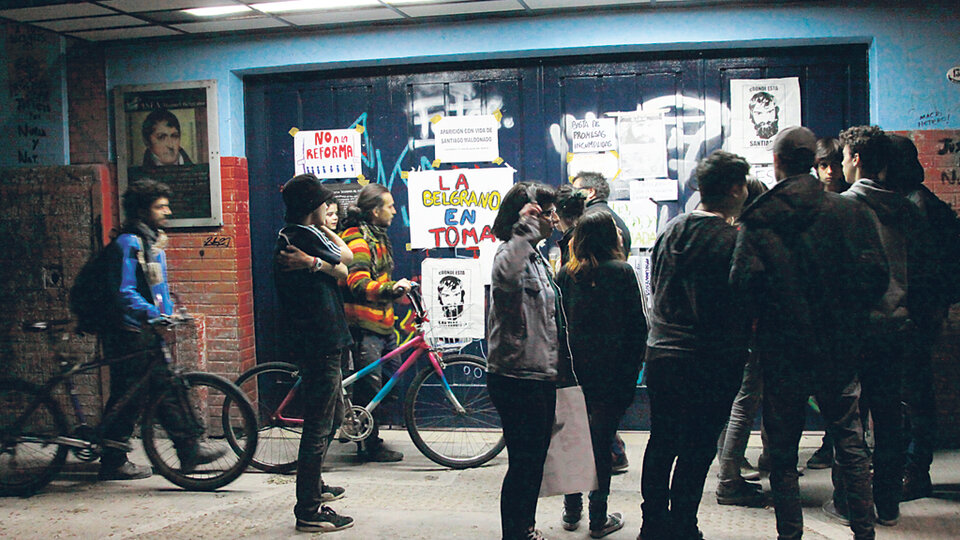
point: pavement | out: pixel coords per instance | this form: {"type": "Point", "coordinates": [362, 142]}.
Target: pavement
{"type": "Point", "coordinates": [416, 499]}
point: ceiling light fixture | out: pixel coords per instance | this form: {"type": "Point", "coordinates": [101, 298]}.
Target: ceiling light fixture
{"type": "Point", "coordinates": [312, 5]}
{"type": "Point", "coordinates": [216, 10]}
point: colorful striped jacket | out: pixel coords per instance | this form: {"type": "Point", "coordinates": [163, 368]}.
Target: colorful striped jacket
{"type": "Point", "coordinates": [368, 302]}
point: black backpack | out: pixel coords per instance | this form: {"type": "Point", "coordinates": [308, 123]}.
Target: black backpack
{"type": "Point", "coordinates": [92, 302]}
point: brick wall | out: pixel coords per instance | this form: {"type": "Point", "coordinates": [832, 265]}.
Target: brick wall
{"type": "Point", "coordinates": [87, 104]}
{"type": "Point", "coordinates": [210, 271]}
{"type": "Point", "coordinates": [939, 153]}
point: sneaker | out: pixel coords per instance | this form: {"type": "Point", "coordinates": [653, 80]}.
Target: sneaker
{"type": "Point", "coordinates": [619, 464]}
{"type": "Point", "coordinates": [830, 509]}
{"type": "Point", "coordinates": [748, 471]}
{"type": "Point", "coordinates": [821, 459]}
{"type": "Point", "coordinates": [613, 523]}
{"type": "Point", "coordinates": [380, 454]}
{"type": "Point", "coordinates": [331, 493]}
{"type": "Point", "coordinates": [326, 520]}
{"type": "Point", "coordinates": [888, 518]}
{"type": "Point", "coordinates": [125, 471]}
{"type": "Point", "coordinates": [916, 486]}
{"type": "Point", "coordinates": [570, 517]}
{"type": "Point", "coordinates": [743, 494]}
{"type": "Point", "coordinates": [198, 454]}
{"type": "Point", "coordinates": [535, 534]}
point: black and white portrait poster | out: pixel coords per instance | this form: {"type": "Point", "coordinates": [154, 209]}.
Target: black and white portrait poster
{"type": "Point", "coordinates": [759, 109]}
{"type": "Point", "coordinates": [453, 296]}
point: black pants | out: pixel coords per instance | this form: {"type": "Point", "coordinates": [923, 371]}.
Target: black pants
{"type": "Point", "coordinates": [322, 415]}
{"type": "Point", "coordinates": [918, 395]}
{"type": "Point", "coordinates": [784, 413]}
{"type": "Point", "coordinates": [368, 348]}
{"type": "Point", "coordinates": [526, 409]}
{"type": "Point", "coordinates": [604, 417]}
{"type": "Point", "coordinates": [118, 424]}
{"type": "Point", "coordinates": [690, 400]}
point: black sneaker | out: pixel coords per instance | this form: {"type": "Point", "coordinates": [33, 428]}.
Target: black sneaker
{"type": "Point", "coordinates": [570, 517]}
{"type": "Point", "coordinates": [326, 520]}
{"type": "Point", "coordinates": [125, 471]}
{"type": "Point", "coordinates": [743, 494]}
{"type": "Point", "coordinates": [830, 509]}
{"type": "Point", "coordinates": [821, 459]}
{"type": "Point", "coordinates": [380, 454]}
{"type": "Point", "coordinates": [916, 485]}
{"type": "Point", "coordinates": [888, 515]}
{"type": "Point", "coordinates": [331, 493]}
{"type": "Point", "coordinates": [613, 523]}
{"type": "Point", "coordinates": [198, 454]}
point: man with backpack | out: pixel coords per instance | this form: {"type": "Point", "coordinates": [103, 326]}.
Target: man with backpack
{"type": "Point", "coordinates": [135, 280]}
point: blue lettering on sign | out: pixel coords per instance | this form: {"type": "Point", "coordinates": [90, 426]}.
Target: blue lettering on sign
{"type": "Point", "coordinates": [449, 217]}
{"type": "Point", "coordinates": [469, 216]}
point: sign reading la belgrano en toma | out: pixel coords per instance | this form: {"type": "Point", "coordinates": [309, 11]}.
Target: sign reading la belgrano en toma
{"type": "Point", "coordinates": [331, 153]}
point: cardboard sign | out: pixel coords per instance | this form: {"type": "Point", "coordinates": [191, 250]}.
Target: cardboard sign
{"type": "Point", "coordinates": [453, 297]}
{"type": "Point", "coordinates": [455, 208]}
{"type": "Point", "coordinates": [333, 153]}
{"type": "Point", "coordinates": [593, 135]}
{"type": "Point", "coordinates": [467, 139]}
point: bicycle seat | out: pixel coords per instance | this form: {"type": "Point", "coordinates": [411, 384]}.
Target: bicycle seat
{"type": "Point", "coordinates": [43, 326]}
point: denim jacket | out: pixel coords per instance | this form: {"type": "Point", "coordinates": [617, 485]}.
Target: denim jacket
{"type": "Point", "coordinates": [522, 323]}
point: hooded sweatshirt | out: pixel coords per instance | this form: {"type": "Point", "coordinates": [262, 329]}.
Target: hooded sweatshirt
{"type": "Point", "coordinates": [810, 265]}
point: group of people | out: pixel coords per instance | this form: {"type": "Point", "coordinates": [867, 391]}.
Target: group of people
{"type": "Point", "coordinates": [833, 286]}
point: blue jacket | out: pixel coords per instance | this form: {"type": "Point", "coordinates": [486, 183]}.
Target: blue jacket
{"type": "Point", "coordinates": [141, 287]}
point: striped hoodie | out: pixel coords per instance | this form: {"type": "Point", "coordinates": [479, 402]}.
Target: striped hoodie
{"type": "Point", "coordinates": [369, 299]}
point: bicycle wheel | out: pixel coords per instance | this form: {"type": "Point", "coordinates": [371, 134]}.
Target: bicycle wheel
{"type": "Point", "coordinates": [28, 457]}
{"type": "Point", "coordinates": [453, 439]}
{"type": "Point", "coordinates": [267, 385]}
{"type": "Point", "coordinates": [193, 404]}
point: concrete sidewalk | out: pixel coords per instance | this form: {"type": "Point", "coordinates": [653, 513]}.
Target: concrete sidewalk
{"type": "Point", "coordinates": [416, 499]}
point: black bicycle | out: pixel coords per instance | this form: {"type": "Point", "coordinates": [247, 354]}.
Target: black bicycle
{"type": "Point", "coordinates": [35, 436]}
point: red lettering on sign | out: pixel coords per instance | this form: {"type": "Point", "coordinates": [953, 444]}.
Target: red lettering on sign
{"type": "Point", "coordinates": [470, 233]}
{"type": "Point", "coordinates": [487, 234]}
{"type": "Point", "coordinates": [461, 181]}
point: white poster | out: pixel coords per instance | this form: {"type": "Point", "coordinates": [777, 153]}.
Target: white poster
{"type": "Point", "coordinates": [641, 218]}
{"type": "Point", "coordinates": [332, 153]}
{"type": "Point", "coordinates": [643, 144]}
{"type": "Point", "coordinates": [605, 163]}
{"type": "Point", "coordinates": [656, 189]}
{"type": "Point", "coordinates": [467, 139]}
{"type": "Point", "coordinates": [453, 297]}
{"type": "Point", "coordinates": [455, 208]}
{"type": "Point", "coordinates": [759, 109]}
{"type": "Point", "coordinates": [593, 135]}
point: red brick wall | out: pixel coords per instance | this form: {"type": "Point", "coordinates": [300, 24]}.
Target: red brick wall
{"type": "Point", "coordinates": [87, 104]}
{"type": "Point", "coordinates": [210, 271]}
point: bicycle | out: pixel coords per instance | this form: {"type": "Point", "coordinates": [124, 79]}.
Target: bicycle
{"type": "Point", "coordinates": [35, 436]}
{"type": "Point", "coordinates": [447, 410]}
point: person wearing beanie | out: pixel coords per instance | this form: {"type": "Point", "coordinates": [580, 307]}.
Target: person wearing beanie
{"type": "Point", "coordinates": [791, 244]}
{"type": "Point", "coordinates": [313, 335]}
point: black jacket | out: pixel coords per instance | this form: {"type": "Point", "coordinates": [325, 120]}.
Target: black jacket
{"type": "Point", "coordinates": [600, 205]}
{"type": "Point", "coordinates": [606, 329]}
{"type": "Point", "coordinates": [810, 265]}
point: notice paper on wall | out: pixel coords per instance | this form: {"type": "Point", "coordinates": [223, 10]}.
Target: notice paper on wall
{"type": "Point", "coordinates": [332, 153]}
{"type": "Point", "coordinates": [453, 297]}
{"type": "Point", "coordinates": [593, 135]}
{"type": "Point", "coordinates": [455, 208]}
{"type": "Point", "coordinates": [643, 144]}
{"type": "Point", "coordinates": [641, 218]}
{"type": "Point", "coordinates": [759, 109]}
{"type": "Point", "coordinates": [658, 189]}
{"type": "Point", "coordinates": [605, 163]}
{"type": "Point", "coordinates": [467, 139]}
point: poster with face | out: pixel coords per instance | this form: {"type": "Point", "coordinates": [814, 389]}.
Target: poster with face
{"type": "Point", "coordinates": [453, 296]}
{"type": "Point", "coordinates": [759, 109]}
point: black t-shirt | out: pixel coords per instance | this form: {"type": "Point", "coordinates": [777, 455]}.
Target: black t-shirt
{"type": "Point", "coordinates": [694, 308]}
{"type": "Point", "coordinates": [311, 304]}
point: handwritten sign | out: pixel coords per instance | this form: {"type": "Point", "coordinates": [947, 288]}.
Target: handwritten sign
{"type": "Point", "coordinates": [455, 208]}
{"type": "Point", "coordinates": [641, 218]}
{"type": "Point", "coordinates": [332, 153]}
{"type": "Point", "coordinates": [593, 135]}
{"type": "Point", "coordinates": [657, 190]}
{"type": "Point", "coordinates": [467, 139]}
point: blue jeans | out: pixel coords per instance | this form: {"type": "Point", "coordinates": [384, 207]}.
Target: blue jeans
{"type": "Point", "coordinates": [368, 348]}
{"type": "Point", "coordinates": [737, 434]}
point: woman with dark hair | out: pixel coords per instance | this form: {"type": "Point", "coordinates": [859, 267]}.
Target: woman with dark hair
{"type": "Point", "coordinates": [525, 331]}
{"type": "Point", "coordinates": [608, 332]}
{"type": "Point", "coordinates": [828, 164]}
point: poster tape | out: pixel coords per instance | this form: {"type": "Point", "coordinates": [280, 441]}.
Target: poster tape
{"type": "Point", "coordinates": [498, 115]}
{"type": "Point", "coordinates": [436, 119]}
{"type": "Point", "coordinates": [435, 164]}
{"type": "Point", "coordinates": [498, 161]}
{"type": "Point", "coordinates": [362, 181]}
{"type": "Point", "coordinates": [360, 129]}
{"type": "Point", "coordinates": [404, 174]}
{"type": "Point", "coordinates": [361, 178]}
{"type": "Point", "coordinates": [569, 157]}
{"type": "Point", "coordinates": [293, 131]}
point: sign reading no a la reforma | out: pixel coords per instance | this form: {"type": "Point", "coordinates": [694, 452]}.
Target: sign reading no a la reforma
{"type": "Point", "coordinates": [330, 153]}
{"type": "Point", "coordinates": [455, 208]}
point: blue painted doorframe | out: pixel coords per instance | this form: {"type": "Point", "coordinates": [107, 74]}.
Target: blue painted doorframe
{"type": "Point", "coordinates": [537, 98]}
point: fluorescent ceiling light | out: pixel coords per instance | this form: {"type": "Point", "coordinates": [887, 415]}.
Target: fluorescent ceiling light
{"type": "Point", "coordinates": [398, 2]}
{"type": "Point", "coordinates": [216, 10]}
{"type": "Point", "coordinates": [307, 5]}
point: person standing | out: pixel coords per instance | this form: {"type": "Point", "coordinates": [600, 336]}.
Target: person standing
{"type": "Point", "coordinates": [829, 165]}
{"type": "Point", "coordinates": [137, 273]}
{"type": "Point", "coordinates": [696, 349]}
{"type": "Point", "coordinates": [792, 243]}
{"type": "Point", "coordinates": [315, 334]}
{"type": "Point", "coordinates": [525, 332]}
{"type": "Point", "coordinates": [607, 328]}
{"type": "Point", "coordinates": [369, 301]}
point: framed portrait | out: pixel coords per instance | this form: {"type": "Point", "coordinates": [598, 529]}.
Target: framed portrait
{"type": "Point", "coordinates": [168, 132]}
